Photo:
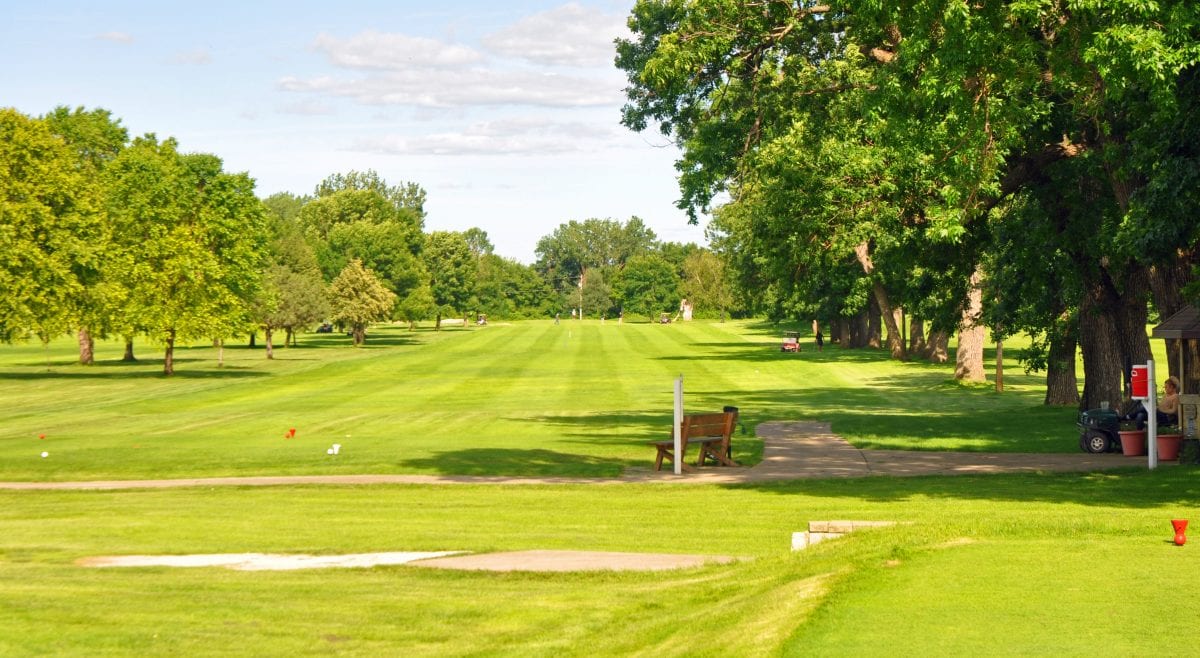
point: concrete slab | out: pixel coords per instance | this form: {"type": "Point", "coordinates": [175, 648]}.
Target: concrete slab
{"type": "Point", "coordinates": [263, 561]}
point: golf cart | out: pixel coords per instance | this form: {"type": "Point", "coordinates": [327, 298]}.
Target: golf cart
{"type": "Point", "coordinates": [791, 342]}
{"type": "Point", "coordinates": [1099, 431]}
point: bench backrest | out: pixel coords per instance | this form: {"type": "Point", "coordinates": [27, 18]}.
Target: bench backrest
{"type": "Point", "coordinates": [700, 426]}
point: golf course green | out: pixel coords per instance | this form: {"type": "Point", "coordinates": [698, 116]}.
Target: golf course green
{"type": "Point", "coordinates": [1014, 564]}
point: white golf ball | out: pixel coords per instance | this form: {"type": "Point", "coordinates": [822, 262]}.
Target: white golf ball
{"type": "Point", "coordinates": [45, 454]}
{"type": "Point", "coordinates": [329, 451]}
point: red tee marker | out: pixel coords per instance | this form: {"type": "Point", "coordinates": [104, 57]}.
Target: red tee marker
{"type": "Point", "coordinates": [292, 433]}
{"type": "Point", "coordinates": [41, 436]}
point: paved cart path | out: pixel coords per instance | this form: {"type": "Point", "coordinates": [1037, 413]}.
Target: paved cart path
{"type": "Point", "coordinates": [791, 450]}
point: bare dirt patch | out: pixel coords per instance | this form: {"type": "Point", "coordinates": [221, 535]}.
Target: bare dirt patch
{"type": "Point", "coordinates": [511, 561]}
{"type": "Point", "coordinates": [572, 561]}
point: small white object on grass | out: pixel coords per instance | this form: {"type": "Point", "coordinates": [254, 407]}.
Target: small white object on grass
{"type": "Point", "coordinates": [45, 454]}
{"type": "Point", "coordinates": [329, 451]}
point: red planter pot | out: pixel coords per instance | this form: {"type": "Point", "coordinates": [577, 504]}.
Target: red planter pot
{"type": "Point", "coordinates": [1133, 442]}
{"type": "Point", "coordinates": [1168, 446]}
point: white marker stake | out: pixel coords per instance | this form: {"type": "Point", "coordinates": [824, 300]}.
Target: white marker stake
{"type": "Point", "coordinates": [677, 435]}
{"type": "Point", "coordinates": [1151, 416]}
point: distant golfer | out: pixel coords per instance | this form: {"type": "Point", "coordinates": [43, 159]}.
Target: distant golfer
{"type": "Point", "coordinates": [820, 341]}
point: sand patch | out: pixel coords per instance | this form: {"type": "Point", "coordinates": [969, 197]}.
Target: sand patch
{"type": "Point", "coordinates": [511, 561]}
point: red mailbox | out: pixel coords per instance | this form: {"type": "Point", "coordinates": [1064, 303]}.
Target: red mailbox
{"type": "Point", "coordinates": [1139, 382]}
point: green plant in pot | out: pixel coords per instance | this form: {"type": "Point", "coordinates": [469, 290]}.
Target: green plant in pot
{"type": "Point", "coordinates": [1170, 439]}
{"type": "Point", "coordinates": [1133, 438]}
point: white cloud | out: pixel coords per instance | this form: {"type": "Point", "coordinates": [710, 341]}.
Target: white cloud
{"type": "Point", "coordinates": [116, 37]}
{"type": "Point", "coordinates": [570, 35]}
{"type": "Point", "coordinates": [394, 52]}
{"type": "Point", "coordinates": [197, 57]}
{"type": "Point", "coordinates": [467, 87]}
{"type": "Point", "coordinates": [507, 137]}
{"type": "Point", "coordinates": [307, 108]}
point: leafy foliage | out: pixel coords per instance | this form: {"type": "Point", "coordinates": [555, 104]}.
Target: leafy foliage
{"type": "Point", "coordinates": [50, 230]}
{"type": "Point", "coordinates": [357, 298]}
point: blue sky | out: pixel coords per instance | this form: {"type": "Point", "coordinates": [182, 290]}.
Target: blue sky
{"type": "Point", "coordinates": [507, 113]}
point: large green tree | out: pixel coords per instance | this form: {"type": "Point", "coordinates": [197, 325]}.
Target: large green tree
{"type": "Point", "coordinates": [95, 137]}
{"type": "Point", "coordinates": [505, 288]}
{"type": "Point", "coordinates": [564, 255]}
{"type": "Point", "coordinates": [890, 134]}
{"type": "Point", "coordinates": [648, 285]}
{"type": "Point", "coordinates": [50, 230]}
{"type": "Point", "coordinates": [451, 269]}
{"type": "Point", "coordinates": [357, 298]}
{"type": "Point", "coordinates": [706, 283]}
{"type": "Point", "coordinates": [190, 243]}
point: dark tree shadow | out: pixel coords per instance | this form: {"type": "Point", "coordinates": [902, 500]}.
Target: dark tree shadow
{"type": "Point", "coordinates": [507, 462]}
{"type": "Point", "coordinates": [1170, 487]}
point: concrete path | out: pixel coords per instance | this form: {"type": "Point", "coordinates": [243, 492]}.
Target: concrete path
{"type": "Point", "coordinates": [791, 450]}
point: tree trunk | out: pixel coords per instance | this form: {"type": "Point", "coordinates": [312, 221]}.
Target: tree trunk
{"type": "Point", "coordinates": [289, 337]}
{"type": "Point", "coordinates": [859, 329]}
{"type": "Point", "coordinates": [169, 354]}
{"type": "Point", "coordinates": [937, 350]}
{"type": "Point", "coordinates": [1061, 386]}
{"type": "Point", "coordinates": [267, 342]}
{"type": "Point", "coordinates": [220, 352]}
{"type": "Point", "coordinates": [87, 348]}
{"type": "Point", "coordinates": [895, 335]}
{"type": "Point", "coordinates": [253, 334]}
{"type": "Point", "coordinates": [128, 356]}
{"type": "Point", "coordinates": [437, 325]}
{"type": "Point", "coordinates": [1133, 316]}
{"type": "Point", "coordinates": [969, 356]}
{"type": "Point", "coordinates": [874, 327]}
{"type": "Point", "coordinates": [895, 342]}
{"type": "Point", "coordinates": [360, 334]}
{"type": "Point", "coordinates": [999, 365]}
{"type": "Point", "coordinates": [1102, 361]}
{"type": "Point", "coordinates": [916, 337]}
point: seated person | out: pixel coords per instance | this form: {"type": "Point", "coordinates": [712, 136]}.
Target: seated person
{"type": "Point", "coordinates": [1168, 407]}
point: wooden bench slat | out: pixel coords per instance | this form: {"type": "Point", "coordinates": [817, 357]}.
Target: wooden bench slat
{"type": "Point", "coordinates": [711, 432]}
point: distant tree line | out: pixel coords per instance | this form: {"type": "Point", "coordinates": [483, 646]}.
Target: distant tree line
{"type": "Point", "coordinates": [103, 236]}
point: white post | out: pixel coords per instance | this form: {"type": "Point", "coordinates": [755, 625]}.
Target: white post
{"type": "Point", "coordinates": [1151, 416]}
{"type": "Point", "coordinates": [676, 433]}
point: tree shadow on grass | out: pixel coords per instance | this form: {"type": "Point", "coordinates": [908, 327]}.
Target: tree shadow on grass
{"type": "Point", "coordinates": [509, 462]}
{"type": "Point", "coordinates": [1169, 487]}
{"type": "Point", "coordinates": [981, 420]}
{"type": "Point", "coordinates": [770, 352]}
{"type": "Point", "coordinates": [626, 428]}
{"type": "Point", "coordinates": [140, 369]}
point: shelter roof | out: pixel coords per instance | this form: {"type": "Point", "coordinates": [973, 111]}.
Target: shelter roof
{"type": "Point", "coordinates": [1184, 324]}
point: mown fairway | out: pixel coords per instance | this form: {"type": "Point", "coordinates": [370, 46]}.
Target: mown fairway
{"type": "Point", "coordinates": [1012, 564]}
{"type": "Point", "coordinates": [535, 398]}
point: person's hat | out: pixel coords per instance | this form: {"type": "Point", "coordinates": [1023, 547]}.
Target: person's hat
{"type": "Point", "coordinates": [1174, 380]}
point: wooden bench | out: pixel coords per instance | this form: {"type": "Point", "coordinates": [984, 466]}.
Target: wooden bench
{"type": "Point", "coordinates": [711, 432]}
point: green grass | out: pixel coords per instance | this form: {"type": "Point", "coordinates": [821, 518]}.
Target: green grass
{"type": "Point", "coordinates": [1019, 564]}
{"type": "Point", "coordinates": [534, 398]}
{"type": "Point", "coordinates": [1070, 564]}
